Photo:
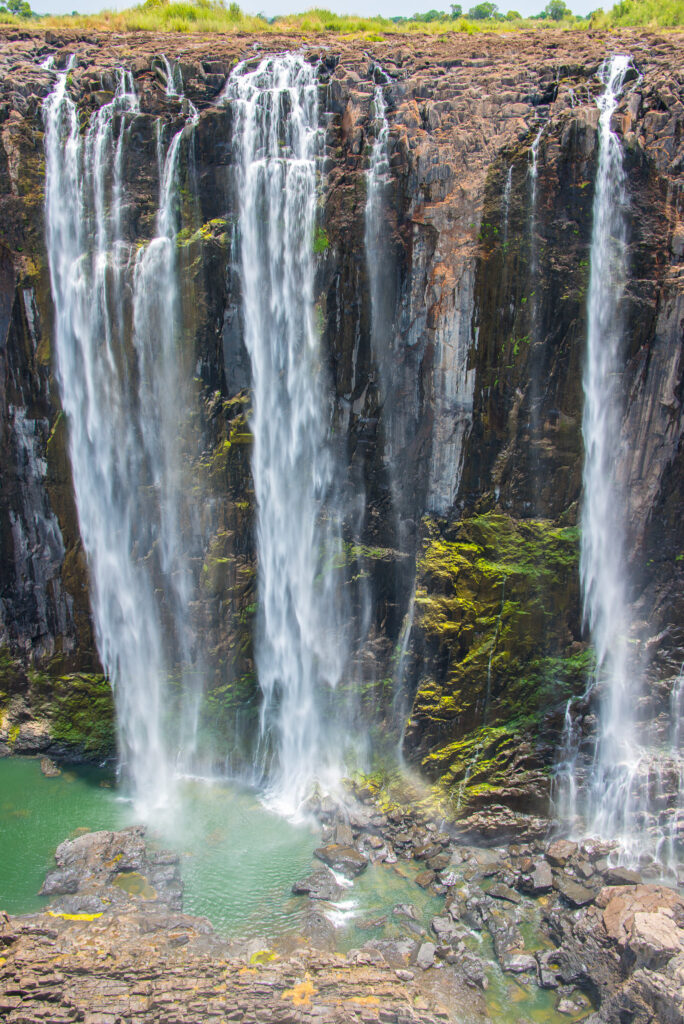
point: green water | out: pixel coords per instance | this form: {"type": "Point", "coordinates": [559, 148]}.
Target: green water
{"type": "Point", "coordinates": [36, 814]}
{"type": "Point", "coordinates": [365, 911]}
{"type": "Point", "coordinates": [238, 863]}
{"type": "Point", "coordinates": [238, 860]}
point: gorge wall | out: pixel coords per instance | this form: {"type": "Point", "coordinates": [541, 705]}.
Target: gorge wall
{"type": "Point", "coordinates": [455, 395]}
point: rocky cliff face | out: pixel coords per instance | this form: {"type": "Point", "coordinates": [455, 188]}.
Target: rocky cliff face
{"type": "Point", "coordinates": [457, 405]}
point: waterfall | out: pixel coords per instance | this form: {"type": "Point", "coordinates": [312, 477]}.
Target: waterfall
{"type": "Point", "coordinates": [122, 392]}
{"type": "Point", "coordinates": [534, 166]}
{"type": "Point", "coordinates": [507, 197]}
{"type": "Point", "coordinates": [604, 584]}
{"type": "Point", "coordinates": [383, 341]}
{"type": "Point", "coordinates": [534, 246]}
{"type": "Point", "coordinates": [165, 425]}
{"type": "Point", "coordinates": [400, 706]}
{"type": "Point", "coordinates": [174, 78]}
{"type": "Point", "coordinates": [378, 176]}
{"type": "Point", "coordinates": [618, 804]}
{"type": "Point", "coordinates": [299, 642]}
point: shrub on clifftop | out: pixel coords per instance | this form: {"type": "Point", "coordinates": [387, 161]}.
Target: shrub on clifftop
{"type": "Point", "coordinates": [19, 8]}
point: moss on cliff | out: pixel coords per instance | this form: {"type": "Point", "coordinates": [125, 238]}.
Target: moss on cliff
{"type": "Point", "coordinates": [497, 615]}
{"type": "Point", "coordinates": [76, 710]}
{"type": "Point", "coordinates": [81, 712]}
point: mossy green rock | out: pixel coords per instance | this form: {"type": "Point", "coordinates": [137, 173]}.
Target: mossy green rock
{"type": "Point", "coordinates": [75, 710]}
{"type": "Point", "coordinates": [497, 649]}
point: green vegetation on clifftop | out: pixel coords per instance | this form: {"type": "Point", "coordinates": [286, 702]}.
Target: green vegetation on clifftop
{"type": "Point", "coordinates": [215, 16]}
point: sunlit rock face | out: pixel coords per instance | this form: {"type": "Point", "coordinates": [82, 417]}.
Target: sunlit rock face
{"type": "Point", "coordinates": [449, 268]}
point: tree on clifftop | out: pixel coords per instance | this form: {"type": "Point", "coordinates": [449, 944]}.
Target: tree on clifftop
{"type": "Point", "coordinates": [483, 11]}
{"type": "Point", "coordinates": [556, 10]}
{"type": "Point", "coordinates": [20, 8]}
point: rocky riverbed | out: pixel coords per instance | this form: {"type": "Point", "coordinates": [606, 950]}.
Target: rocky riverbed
{"type": "Point", "coordinates": [604, 943]}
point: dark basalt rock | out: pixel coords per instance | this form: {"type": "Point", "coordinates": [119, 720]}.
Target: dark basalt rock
{"type": "Point", "coordinates": [559, 852]}
{"type": "Point", "coordinates": [317, 929]}
{"type": "Point", "coordinates": [538, 881]}
{"type": "Point", "coordinates": [103, 872]}
{"type": "Point", "coordinates": [425, 878]}
{"type": "Point", "coordinates": [622, 876]}
{"type": "Point", "coordinates": [503, 892]}
{"type": "Point", "coordinates": [342, 858]}
{"type": "Point", "coordinates": [573, 892]}
{"type": "Point", "coordinates": [320, 885]}
{"type": "Point", "coordinates": [498, 825]}
{"type": "Point", "coordinates": [627, 950]}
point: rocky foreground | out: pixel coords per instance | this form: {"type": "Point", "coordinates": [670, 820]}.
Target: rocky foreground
{"type": "Point", "coordinates": [115, 946]}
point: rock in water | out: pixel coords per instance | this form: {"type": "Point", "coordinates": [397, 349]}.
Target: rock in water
{"type": "Point", "coordinates": [320, 885]}
{"type": "Point", "coordinates": [343, 835]}
{"type": "Point", "coordinates": [622, 876]}
{"type": "Point", "coordinates": [49, 769]}
{"type": "Point", "coordinates": [560, 852]}
{"type": "Point", "coordinates": [577, 895]}
{"type": "Point", "coordinates": [342, 858]}
{"type": "Point", "coordinates": [539, 880]}
{"type": "Point", "coordinates": [503, 892]}
{"type": "Point", "coordinates": [102, 871]}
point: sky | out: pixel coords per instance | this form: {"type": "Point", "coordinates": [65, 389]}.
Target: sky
{"type": "Point", "coordinates": [388, 8]}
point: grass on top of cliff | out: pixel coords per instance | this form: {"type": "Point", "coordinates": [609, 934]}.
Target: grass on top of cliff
{"type": "Point", "coordinates": [215, 16]}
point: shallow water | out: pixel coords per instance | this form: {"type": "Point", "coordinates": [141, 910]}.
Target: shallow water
{"type": "Point", "coordinates": [238, 863]}
{"type": "Point", "coordinates": [36, 814]}
{"type": "Point", "coordinates": [238, 860]}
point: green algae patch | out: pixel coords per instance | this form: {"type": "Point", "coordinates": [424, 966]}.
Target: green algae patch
{"type": "Point", "coordinates": [135, 884]}
{"type": "Point", "coordinates": [321, 241]}
{"type": "Point", "coordinates": [263, 956]}
{"type": "Point", "coordinates": [77, 708]}
{"type": "Point", "coordinates": [498, 626]}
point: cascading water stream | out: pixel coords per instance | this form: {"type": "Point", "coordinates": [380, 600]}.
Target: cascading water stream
{"type": "Point", "coordinates": [507, 201]}
{"type": "Point", "coordinates": [631, 792]}
{"type": "Point", "coordinates": [378, 172]}
{"type": "Point", "coordinates": [174, 78]}
{"type": "Point", "coordinates": [400, 698]}
{"type": "Point", "coordinates": [123, 426]}
{"type": "Point", "coordinates": [383, 338]}
{"type": "Point", "coordinates": [156, 315]}
{"type": "Point", "coordinates": [299, 643]}
{"type": "Point", "coordinates": [604, 582]}
{"type": "Point", "coordinates": [534, 175]}
{"type": "Point", "coordinates": [631, 778]}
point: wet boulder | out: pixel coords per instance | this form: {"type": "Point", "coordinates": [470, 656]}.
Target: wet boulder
{"type": "Point", "coordinates": [426, 956]}
{"type": "Point", "coordinates": [537, 881]}
{"type": "Point", "coordinates": [319, 885]}
{"type": "Point", "coordinates": [344, 859]}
